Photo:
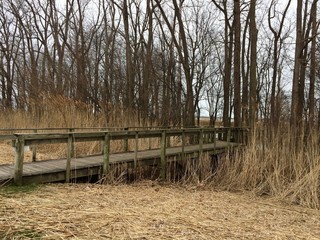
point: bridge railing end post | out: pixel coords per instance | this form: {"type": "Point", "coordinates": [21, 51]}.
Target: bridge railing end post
{"type": "Point", "coordinates": [18, 166]}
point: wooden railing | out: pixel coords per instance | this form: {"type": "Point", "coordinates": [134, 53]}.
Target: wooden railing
{"type": "Point", "coordinates": [194, 135]}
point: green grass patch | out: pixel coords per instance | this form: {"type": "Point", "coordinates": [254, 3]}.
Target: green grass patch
{"type": "Point", "coordinates": [10, 190]}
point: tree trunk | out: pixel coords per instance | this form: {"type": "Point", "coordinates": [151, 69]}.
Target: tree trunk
{"type": "Point", "coordinates": [313, 19]}
{"type": "Point", "coordinates": [296, 85]}
{"type": "Point", "coordinates": [237, 65]}
{"type": "Point", "coordinates": [253, 65]}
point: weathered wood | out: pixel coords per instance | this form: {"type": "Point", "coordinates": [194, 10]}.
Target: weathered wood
{"type": "Point", "coordinates": [136, 149]}
{"type": "Point", "coordinates": [126, 141]}
{"type": "Point", "coordinates": [71, 130]}
{"type": "Point", "coordinates": [48, 138]}
{"type": "Point", "coordinates": [200, 143]}
{"type": "Point", "coordinates": [69, 156]}
{"type": "Point", "coordinates": [34, 150]}
{"type": "Point", "coordinates": [214, 139]}
{"type": "Point", "coordinates": [7, 137]}
{"type": "Point", "coordinates": [18, 166]}
{"type": "Point", "coordinates": [164, 134]}
{"type": "Point", "coordinates": [106, 154]}
{"type": "Point", "coordinates": [163, 163]}
{"type": "Point", "coordinates": [55, 170]}
{"type": "Point", "coordinates": [183, 144]}
{"type": "Point", "coordinates": [229, 137]}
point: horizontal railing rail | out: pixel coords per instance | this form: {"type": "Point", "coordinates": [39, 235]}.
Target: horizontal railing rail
{"type": "Point", "coordinates": [196, 135]}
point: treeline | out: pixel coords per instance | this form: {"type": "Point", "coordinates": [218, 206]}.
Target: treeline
{"type": "Point", "coordinates": [163, 60]}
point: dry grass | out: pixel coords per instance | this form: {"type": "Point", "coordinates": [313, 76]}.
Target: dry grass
{"type": "Point", "coordinates": [277, 165]}
{"type": "Point", "coordinates": [188, 210]}
{"type": "Point", "coordinates": [7, 154]}
{"type": "Point", "coordinates": [270, 165]}
{"type": "Point", "coordinates": [61, 112]}
{"type": "Point", "coordinates": [147, 210]}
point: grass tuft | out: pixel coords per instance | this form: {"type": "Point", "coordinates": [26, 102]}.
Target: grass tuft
{"type": "Point", "coordinates": [275, 165]}
{"type": "Point", "coordinates": [11, 190]}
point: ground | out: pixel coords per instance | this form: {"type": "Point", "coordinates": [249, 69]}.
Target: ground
{"type": "Point", "coordinates": [148, 210]}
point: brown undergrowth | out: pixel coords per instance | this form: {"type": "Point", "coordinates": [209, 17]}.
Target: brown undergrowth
{"type": "Point", "coordinates": [60, 112]}
{"type": "Point", "coordinates": [272, 164]}
{"type": "Point", "coordinates": [148, 210]}
{"type": "Point", "coordinates": [279, 165]}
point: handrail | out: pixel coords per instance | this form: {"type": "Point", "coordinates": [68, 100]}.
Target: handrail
{"type": "Point", "coordinates": [76, 129]}
{"type": "Point", "coordinates": [30, 139]}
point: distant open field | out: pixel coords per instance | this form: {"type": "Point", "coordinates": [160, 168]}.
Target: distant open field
{"type": "Point", "coordinates": [147, 210]}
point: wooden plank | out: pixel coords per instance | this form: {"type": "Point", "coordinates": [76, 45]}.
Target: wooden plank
{"type": "Point", "coordinates": [39, 169]}
{"type": "Point", "coordinates": [7, 137]}
{"type": "Point", "coordinates": [47, 138]}
{"type": "Point", "coordinates": [81, 166]}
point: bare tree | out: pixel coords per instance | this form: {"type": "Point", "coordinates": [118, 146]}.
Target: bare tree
{"type": "Point", "coordinates": [183, 54]}
{"type": "Point", "coordinates": [237, 64]}
{"type": "Point", "coordinates": [277, 46]}
{"type": "Point", "coordinates": [228, 50]}
{"type": "Point", "coordinates": [313, 64]}
{"type": "Point", "coordinates": [303, 28]}
{"type": "Point", "coordinates": [253, 64]}
{"type": "Point", "coordinates": [8, 56]}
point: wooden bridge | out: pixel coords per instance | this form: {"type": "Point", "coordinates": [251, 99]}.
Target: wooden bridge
{"type": "Point", "coordinates": [190, 143]}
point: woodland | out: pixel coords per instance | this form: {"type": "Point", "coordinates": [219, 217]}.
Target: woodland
{"type": "Point", "coordinates": [164, 62]}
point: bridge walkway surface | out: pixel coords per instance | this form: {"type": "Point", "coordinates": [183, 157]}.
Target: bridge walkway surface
{"type": "Point", "coordinates": [55, 170]}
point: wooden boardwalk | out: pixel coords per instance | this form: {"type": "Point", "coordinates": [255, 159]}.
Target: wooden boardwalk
{"type": "Point", "coordinates": [55, 170]}
{"type": "Point", "coordinates": [205, 140]}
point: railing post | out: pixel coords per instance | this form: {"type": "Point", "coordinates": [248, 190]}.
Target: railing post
{"type": "Point", "coordinates": [168, 140]}
{"type": "Point", "coordinates": [106, 154]}
{"type": "Point", "coordinates": [125, 141]}
{"type": "Point", "coordinates": [183, 144]}
{"type": "Point", "coordinates": [228, 136]}
{"type": "Point", "coordinates": [206, 137]}
{"type": "Point", "coordinates": [214, 140]}
{"type": "Point", "coordinates": [238, 135]}
{"type": "Point", "coordinates": [101, 142]}
{"type": "Point", "coordinates": [71, 130]}
{"type": "Point", "coordinates": [163, 162]}
{"type": "Point", "coordinates": [69, 156]}
{"type": "Point", "coordinates": [136, 147]}
{"type": "Point", "coordinates": [150, 147]}
{"type": "Point", "coordinates": [220, 135]}
{"type": "Point", "coordinates": [34, 150]}
{"type": "Point", "coordinates": [18, 166]}
{"type": "Point", "coordinates": [200, 143]}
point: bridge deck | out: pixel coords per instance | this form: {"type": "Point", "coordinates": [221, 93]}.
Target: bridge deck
{"type": "Point", "coordinates": [55, 170]}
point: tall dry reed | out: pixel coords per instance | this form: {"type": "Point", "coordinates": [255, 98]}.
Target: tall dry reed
{"type": "Point", "coordinates": [279, 164]}
{"type": "Point", "coordinates": [62, 112]}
